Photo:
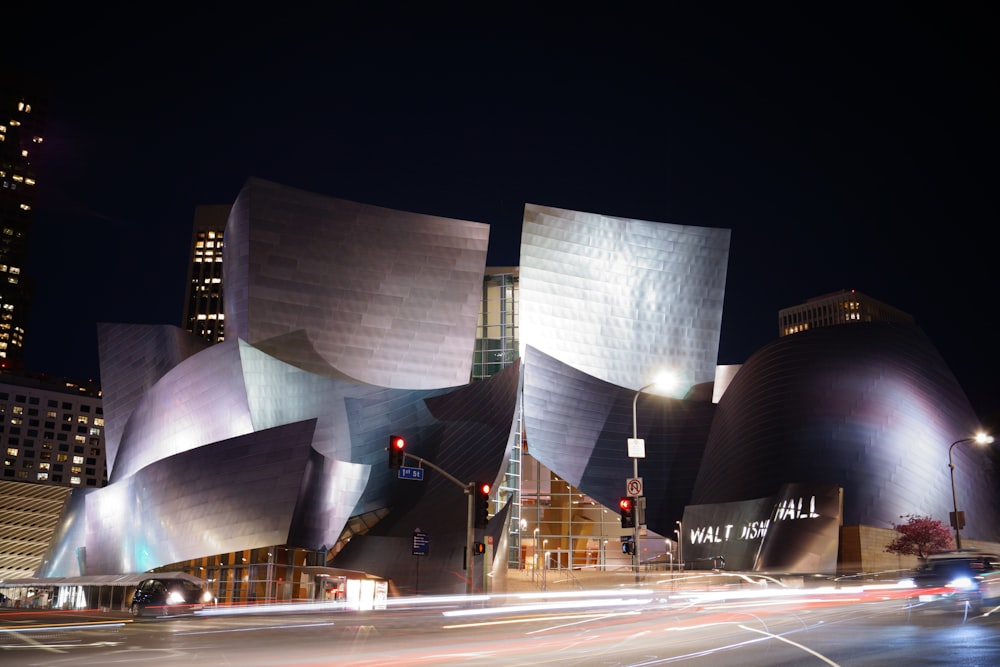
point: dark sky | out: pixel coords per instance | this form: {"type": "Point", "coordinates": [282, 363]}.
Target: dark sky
{"type": "Point", "coordinates": [846, 147]}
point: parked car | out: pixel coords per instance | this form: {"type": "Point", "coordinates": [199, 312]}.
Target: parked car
{"type": "Point", "coordinates": [167, 596]}
{"type": "Point", "coordinates": [968, 580]}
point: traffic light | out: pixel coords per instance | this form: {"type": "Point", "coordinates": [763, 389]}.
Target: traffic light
{"type": "Point", "coordinates": [626, 505]}
{"type": "Point", "coordinates": [481, 510]}
{"type": "Point", "coordinates": [478, 548]}
{"type": "Point", "coordinates": [397, 444]}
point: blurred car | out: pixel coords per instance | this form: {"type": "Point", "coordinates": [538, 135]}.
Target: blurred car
{"type": "Point", "coordinates": [167, 596]}
{"type": "Point", "coordinates": [967, 580]}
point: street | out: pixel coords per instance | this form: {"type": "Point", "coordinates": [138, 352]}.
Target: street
{"type": "Point", "coordinates": [626, 627]}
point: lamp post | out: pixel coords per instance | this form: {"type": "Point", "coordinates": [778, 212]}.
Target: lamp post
{"type": "Point", "coordinates": [956, 523]}
{"type": "Point", "coordinates": [636, 451]}
{"type": "Point", "coordinates": [534, 554]}
{"type": "Point", "coordinates": [680, 545]}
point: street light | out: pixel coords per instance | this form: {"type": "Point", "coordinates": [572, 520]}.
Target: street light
{"type": "Point", "coordinates": [534, 554]}
{"type": "Point", "coordinates": [680, 545]}
{"type": "Point", "coordinates": [637, 450]}
{"type": "Point", "coordinates": [980, 439]}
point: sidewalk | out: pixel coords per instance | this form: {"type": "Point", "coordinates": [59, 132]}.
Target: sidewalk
{"type": "Point", "coordinates": [527, 581]}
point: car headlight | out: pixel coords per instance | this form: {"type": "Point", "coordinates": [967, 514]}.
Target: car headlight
{"type": "Point", "coordinates": [907, 583]}
{"type": "Point", "coordinates": [175, 598]}
{"type": "Point", "coordinates": [206, 597]}
{"type": "Point", "coordinates": [962, 584]}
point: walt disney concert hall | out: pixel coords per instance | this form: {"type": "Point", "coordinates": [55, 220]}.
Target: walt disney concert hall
{"type": "Point", "coordinates": [260, 462]}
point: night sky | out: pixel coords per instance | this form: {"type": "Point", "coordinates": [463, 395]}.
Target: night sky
{"type": "Point", "coordinates": [854, 147]}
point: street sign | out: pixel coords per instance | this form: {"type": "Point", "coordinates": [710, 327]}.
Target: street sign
{"type": "Point", "coordinates": [637, 448]}
{"type": "Point", "coordinates": [421, 543]}
{"type": "Point", "coordinates": [633, 487]}
{"type": "Point", "coordinates": [406, 472]}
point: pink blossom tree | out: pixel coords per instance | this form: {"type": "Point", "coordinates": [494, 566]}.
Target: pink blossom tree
{"type": "Point", "coordinates": [920, 536]}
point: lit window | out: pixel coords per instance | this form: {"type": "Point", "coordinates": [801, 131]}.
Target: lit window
{"type": "Point", "coordinates": [74, 480]}
{"type": "Point", "coordinates": [43, 476]}
{"type": "Point", "coordinates": [12, 451]}
{"type": "Point", "coordinates": [78, 460]}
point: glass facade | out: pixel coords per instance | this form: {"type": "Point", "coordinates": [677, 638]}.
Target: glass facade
{"type": "Point", "coordinates": [547, 515]}
{"type": "Point", "coordinates": [497, 328]}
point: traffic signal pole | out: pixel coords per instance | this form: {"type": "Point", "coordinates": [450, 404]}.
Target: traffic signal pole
{"type": "Point", "coordinates": [470, 490]}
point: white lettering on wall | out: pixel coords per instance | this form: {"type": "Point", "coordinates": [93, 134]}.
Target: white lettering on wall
{"type": "Point", "coordinates": [786, 510]}
{"type": "Point", "coordinates": [796, 509]}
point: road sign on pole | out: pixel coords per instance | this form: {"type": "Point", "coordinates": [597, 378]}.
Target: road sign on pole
{"type": "Point", "coordinates": [406, 472]}
{"type": "Point", "coordinates": [421, 543]}
{"type": "Point", "coordinates": [633, 487]}
{"type": "Point", "coordinates": [637, 448]}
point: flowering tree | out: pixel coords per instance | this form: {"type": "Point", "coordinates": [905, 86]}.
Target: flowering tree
{"type": "Point", "coordinates": [920, 536]}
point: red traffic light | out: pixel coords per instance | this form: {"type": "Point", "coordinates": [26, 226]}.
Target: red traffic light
{"type": "Point", "coordinates": [626, 507]}
{"type": "Point", "coordinates": [481, 504]}
{"type": "Point", "coordinates": [397, 456]}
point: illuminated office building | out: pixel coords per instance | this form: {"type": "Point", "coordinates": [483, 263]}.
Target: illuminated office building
{"type": "Point", "coordinates": [52, 439]}
{"type": "Point", "coordinates": [52, 432]}
{"type": "Point", "coordinates": [843, 307]}
{"type": "Point", "coordinates": [204, 310]}
{"type": "Point", "coordinates": [23, 109]}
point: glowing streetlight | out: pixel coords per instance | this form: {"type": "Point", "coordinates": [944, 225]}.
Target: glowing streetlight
{"type": "Point", "coordinates": [637, 450]}
{"type": "Point", "coordinates": [957, 521]}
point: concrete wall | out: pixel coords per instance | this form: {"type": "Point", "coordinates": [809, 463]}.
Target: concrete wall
{"type": "Point", "coordinates": [862, 551]}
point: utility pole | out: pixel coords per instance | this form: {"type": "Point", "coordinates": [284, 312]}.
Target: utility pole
{"type": "Point", "coordinates": [470, 490]}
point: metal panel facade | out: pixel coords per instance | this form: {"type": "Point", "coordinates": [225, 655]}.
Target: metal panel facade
{"type": "Point", "coordinates": [386, 297]}
{"type": "Point", "coordinates": [871, 407]}
{"type": "Point", "coordinates": [620, 299]}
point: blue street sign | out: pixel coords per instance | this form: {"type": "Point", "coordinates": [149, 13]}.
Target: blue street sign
{"type": "Point", "coordinates": [421, 543]}
{"type": "Point", "coordinates": [406, 472]}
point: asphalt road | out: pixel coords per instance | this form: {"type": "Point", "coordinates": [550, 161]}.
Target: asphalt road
{"type": "Point", "coordinates": [718, 629]}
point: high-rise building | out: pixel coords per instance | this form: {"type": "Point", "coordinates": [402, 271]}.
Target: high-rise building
{"type": "Point", "coordinates": [52, 432]}
{"type": "Point", "coordinates": [843, 307]}
{"type": "Point", "coordinates": [204, 315]}
{"type": "Point", "coordinates": [23, 105]}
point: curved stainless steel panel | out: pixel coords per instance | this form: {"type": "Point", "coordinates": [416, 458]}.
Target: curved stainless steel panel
{"type": "Point", "coordinates": [618, 299]}
{"type": "Point", "coordinates": [871, 407]}
{"type": "Point", "coordinates": [387, 297]}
